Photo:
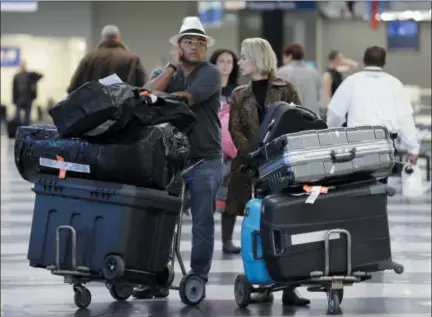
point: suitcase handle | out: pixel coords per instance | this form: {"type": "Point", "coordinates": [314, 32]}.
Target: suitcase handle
{"type": "Point", "coordinates": [255, 235]}
{"type": "Point", "coordinates": [277, 242]}
{"type": "Point", "coordinates": [343, 157]}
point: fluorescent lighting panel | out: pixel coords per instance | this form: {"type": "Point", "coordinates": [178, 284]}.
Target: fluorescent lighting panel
{"type": "Point", "coordinates": [19, 6]}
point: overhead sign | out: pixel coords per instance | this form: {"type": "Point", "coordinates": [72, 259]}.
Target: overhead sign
{"type": "Point", "coordinates": [280, 5]}
{"type": "Point", "coordinates": [10, 56]}
{"type": "Point", "coordinates": [211, 13]}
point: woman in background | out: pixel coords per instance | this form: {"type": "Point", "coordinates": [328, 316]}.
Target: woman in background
{"type": "Point", "coordinates": [248, 107]}
{"type": "Point", "coordinates": [226, 61]}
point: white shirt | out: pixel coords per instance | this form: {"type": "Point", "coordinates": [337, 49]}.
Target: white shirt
{"type": "Point", "coordinates": [373, 97]}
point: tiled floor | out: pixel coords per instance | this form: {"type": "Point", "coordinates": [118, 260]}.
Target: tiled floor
{"type": "Point", "coordinates": [29, 292]}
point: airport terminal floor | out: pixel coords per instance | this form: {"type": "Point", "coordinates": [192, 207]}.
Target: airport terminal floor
{"type": "Point", "coordinates": [29, 292]}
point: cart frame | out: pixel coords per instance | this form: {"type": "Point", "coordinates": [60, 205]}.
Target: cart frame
{"type": "Point", "coordinates": [191, 287]}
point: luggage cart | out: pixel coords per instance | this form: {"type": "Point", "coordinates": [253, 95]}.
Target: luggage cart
{"type": "Point", "coordinates": [332, 285]}
{"type": "Point", "coordinates": [191, 287]}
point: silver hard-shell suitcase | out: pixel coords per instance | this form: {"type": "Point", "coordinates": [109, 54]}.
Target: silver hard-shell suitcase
{"type": "Point", "coordinates": [322, 156]}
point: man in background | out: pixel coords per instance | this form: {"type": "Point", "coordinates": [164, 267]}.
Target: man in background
{"type": "Point", "coordinates": [110, 57]}
{"type": "Point", "coordinates": [374, 97]}
{"type": "Point", "coordinates": [24, 92]}
{"type": "Point", "coordinates": [305, 79]}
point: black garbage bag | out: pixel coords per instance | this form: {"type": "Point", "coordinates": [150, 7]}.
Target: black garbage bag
{"type": "Point", "coordinates": [167, 108]}
{"type": "Point", "coordinates": [147, 157]}
{"type": "Point", "coordinates": [92, 105]}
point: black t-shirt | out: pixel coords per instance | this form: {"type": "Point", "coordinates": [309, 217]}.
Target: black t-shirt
{"type": "Point", "coordinates": [204, 84]}
{"type": "Point", "coordinates": [259, 89]}
{"type": "Point", "coordinates": [336, 79]}
{"type": "Point", "coordinates": [226, 94]}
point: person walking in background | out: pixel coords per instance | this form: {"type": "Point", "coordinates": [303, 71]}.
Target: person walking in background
{"type": "Point", "coordinates": [333, 76]}
{"type": "Point", "coordinates": [374, 97]}
{"type": "Point", "coordinates": [248, 108]}
{"type": "Point", "coordinates": [24, 92]}
{"type": "Point", "coordinates": [226, 61]}
{"type": "Point", "coordinates": [306, 80]}
{"type": "Point", "coordinates": [110, 57]}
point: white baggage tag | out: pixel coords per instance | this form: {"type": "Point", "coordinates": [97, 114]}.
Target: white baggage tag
{"type": "Point", "coordinates": [316, 191]}
{"type": "Point", "coordinates": [73, 167]}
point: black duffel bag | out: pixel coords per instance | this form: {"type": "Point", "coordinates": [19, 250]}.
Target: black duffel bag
{"type": "Point", "coordinates": [148, 157]}
{"type": "Point", "coordinates": [92, 105]}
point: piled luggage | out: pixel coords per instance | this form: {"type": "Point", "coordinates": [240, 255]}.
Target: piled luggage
{"type": "Point", "coordinates": [317, 189]}
{"type": "Point", "coordinates": [102, 210]}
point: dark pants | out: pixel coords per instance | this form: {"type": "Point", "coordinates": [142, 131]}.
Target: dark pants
{"type": "Point", "coordinates": [203, 183]}
{"type": "Point", "coordinates": [26, 108]}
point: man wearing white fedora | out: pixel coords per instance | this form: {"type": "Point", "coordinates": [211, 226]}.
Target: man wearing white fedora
{"type": "Point", "coordinates": [188, 74]}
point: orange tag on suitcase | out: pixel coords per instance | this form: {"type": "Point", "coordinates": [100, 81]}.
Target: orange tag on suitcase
{"type": "Point", "coordinates": [322, 190]}
{"type": "Point", "coordinates": [62, 171]}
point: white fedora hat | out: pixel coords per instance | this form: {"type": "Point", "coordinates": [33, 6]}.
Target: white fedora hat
{"type": "Point", "coordinates": [192, 26]}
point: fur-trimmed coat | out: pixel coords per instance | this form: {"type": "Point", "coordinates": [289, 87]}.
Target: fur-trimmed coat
{"type": "Point", "coordinates": [243, 126]}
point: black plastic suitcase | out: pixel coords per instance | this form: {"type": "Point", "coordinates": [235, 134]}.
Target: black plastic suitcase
{"type": "Point", "coordinates": [325, 156]}
{"type": "Point", "coordinates": [283, 118]}
{"type": "Point", "coordinates": [120, 230]}
{"type": "Point", "coordinates": [293, 231]}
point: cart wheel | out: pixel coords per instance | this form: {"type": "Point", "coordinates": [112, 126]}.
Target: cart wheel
{"type": "Point", "coordinates": [114, 267]}
{"type": "Point", "coordinates": [242, 291]}
{"type": "Point", "coordinates": [82, 297]}
{"type": "Point", "coordinates": [120, 292]}
{"type": "Point", "coordinates": [339, 292]}
{"type": "Point", "coordinates": [192, 289]}
{"type": "Point", "coordinates": [398, 268]}
{"type": "Point", "coordinates": [333, 302]}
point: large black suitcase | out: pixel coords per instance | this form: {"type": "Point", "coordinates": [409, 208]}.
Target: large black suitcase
{"type": "Point", "coordinates": [128, 225]}
{"type": "Point", "coordinates": [147, 157]}
{"type": "Point", "coordinates": [283, 118]}
{"type": "Point", "coordinates": [293, 231]}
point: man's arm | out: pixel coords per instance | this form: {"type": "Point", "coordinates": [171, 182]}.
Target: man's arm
{"type": "Point", "coordinates": [160, 79]}
{"type": "Point", "coordinates": [206, 84]}
{"type": "Point", "coordinates": [339, 105]}
{"type": "Point", "coordinates": [140, 74]}
{"type": "Point", "coordinates": [405, 117]}
{"type": "Point", "coordinates": [347, 66]}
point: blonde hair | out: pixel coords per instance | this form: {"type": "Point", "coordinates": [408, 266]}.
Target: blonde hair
{"type": "Point", "coordinates": [261, 51]}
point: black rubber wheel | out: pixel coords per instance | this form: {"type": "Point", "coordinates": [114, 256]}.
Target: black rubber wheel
{"type": "Point", "coordinates": [120, 292]}
{"type": "Point", "coordinates": [333, 302]}
{"type": "Point", "coordinates": [339, 292]}
{"type": "Point", "coordinates": [192, 289]}
{"type": "Point", "coordinates": [398, 268]}
{"type": "Point", "coordinates": [242, 291]}
{"type": "Point", "coordinates": [114, 267]}
{"type": "Point", "coordinates": [82, 297]}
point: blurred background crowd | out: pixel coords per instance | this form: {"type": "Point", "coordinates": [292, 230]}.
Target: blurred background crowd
{"type": "Point", "coordinates": [49, 38]}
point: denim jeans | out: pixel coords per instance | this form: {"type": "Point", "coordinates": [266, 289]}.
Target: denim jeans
{"type": "Point", "coordinates": [27, 113]}
{"type": "Point", "coordinates": [203, 183]}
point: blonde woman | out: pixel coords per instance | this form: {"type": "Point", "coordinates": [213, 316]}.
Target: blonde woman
{"type": "Point", "coordinates": [248, 107]}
